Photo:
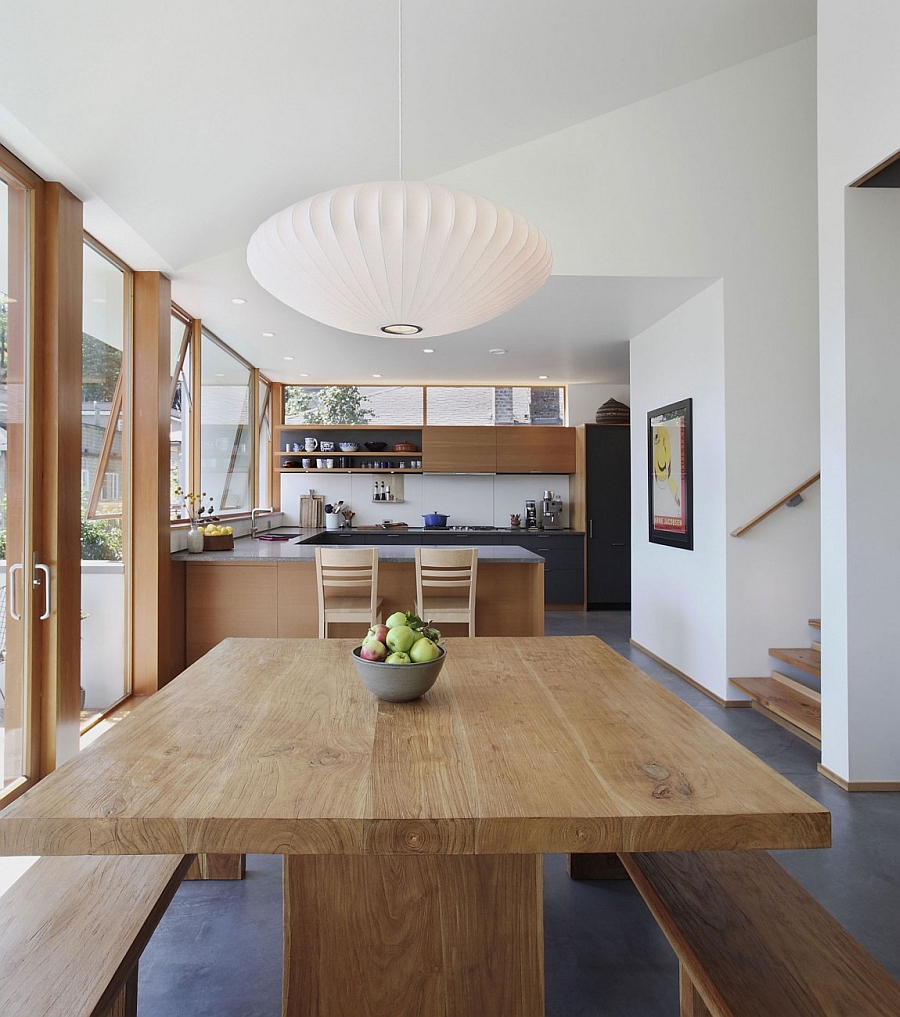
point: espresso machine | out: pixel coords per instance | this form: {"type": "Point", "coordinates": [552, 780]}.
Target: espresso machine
{"type": "Point", "coordinates": [551, 511]}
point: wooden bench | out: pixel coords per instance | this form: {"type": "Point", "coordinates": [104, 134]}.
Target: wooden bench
{"type": "Point", "coordinates": [751, 942]}
{"type": "Point", "coordinates": [72, 930]}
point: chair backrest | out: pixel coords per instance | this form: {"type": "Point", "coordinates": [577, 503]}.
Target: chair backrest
{"type": "Point", "coordinates": [346, 571]}
{"type": "Point", "coordinates": [447, 572]}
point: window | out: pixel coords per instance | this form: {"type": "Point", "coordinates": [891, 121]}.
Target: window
{"type": "Point", "coordinates": [180, 417]}
{"type": "Point", "coordinates": [226, 435]}
{"type": "Point", "coordinates": [397, 405]}
{"type": "Point", "coordinates": [413, 405]}
{"type": "Point", "coordinates": [106, 333]}
{"type": "Point", "coordinates": [500, 405]}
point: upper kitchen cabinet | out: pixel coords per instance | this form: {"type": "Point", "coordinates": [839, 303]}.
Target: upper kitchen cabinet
{"type": "Point", "coordinates": [535, 449]}
{"type": "Point", "coordinates": [459, 449]}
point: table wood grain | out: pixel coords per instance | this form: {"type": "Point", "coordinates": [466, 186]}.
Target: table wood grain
{"type": "Point", "coordinates": [413, 832]}
{"type": "Point", "coordinates": [526, 745]}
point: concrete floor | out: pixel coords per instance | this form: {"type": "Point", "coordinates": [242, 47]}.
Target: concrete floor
{"type": "Point", "coordinates": [217, 951]}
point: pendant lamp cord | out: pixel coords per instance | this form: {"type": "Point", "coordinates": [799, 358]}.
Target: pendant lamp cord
{"type": "Point", "coordinates": [400, 88]}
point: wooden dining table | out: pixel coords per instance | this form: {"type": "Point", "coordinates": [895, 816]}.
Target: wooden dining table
{"type": "Point", "coordinates": [413, 833]}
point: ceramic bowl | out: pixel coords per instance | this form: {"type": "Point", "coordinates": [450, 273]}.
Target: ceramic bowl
{"type": "Point", "coordinates": [348, 446]}
{"type": "Point", "coordinates": [376, 446]}
{"type": "Point", "coordinates": [398, 683]}
{"type": "Point", "coordinates": [326, 446]}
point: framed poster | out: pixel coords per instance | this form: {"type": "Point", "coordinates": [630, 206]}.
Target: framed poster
{"type": "Point", "coordinates": [671, 487]}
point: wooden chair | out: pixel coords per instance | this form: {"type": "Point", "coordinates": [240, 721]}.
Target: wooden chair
{"type": "Point", "coordinates": [350, 570]}
{"type": "Point", "coordinates": [452, 573]}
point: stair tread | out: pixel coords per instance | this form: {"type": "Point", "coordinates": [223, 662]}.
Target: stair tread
{"type": "Point", "coordinates": [816, 623]}
{"type": "Point", "coordinates": [806, 658]}
{"type": "Point", "coordinates": [787, 701]}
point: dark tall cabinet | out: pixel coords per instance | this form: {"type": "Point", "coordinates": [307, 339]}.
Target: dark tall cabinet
{"type": "Point", "coordinates": [608, 504]}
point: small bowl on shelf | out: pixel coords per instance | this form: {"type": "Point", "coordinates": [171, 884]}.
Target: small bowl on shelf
{"type": "Point", "coordinates": [398, 683]}
{"type": "Point", "coordinates": [348, 446]}
{"type": "Point", "coordinates": [376, 446]}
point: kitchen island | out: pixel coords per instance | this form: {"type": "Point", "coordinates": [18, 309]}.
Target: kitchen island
{"type": "Point", "coordinates": [268, 589]}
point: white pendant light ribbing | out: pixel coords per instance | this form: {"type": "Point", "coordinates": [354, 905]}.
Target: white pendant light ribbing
{"type": "Point", "coordinates": [397, 257]}
{"type": "Point", "coordinates": [370, 256]}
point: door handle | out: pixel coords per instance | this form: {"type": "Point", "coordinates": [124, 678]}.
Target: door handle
{"type": "Point", "coordinates": [38, 567]}
{"type": "Point", "coordinates": [619, 543]}
{"type": "Point", "coordinates": [11, 582]}
{"type": "Point", "coordinates": [590, 529]}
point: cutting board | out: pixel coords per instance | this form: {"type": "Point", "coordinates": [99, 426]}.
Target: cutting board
{"type": "Point", "coordinates": [312, 509]}
{"type": "Point", "coordinates": [382, 526]}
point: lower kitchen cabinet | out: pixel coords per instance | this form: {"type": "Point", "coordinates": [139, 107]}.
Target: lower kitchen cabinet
{"type": "Point", "coordinates": [563, 555]}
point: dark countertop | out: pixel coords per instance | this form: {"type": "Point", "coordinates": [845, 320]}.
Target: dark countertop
{"type": "Point", "coordinates": [248, 549]}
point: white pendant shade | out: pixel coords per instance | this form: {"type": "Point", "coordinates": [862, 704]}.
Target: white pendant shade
{"type": "Point", "coordinates": [376, 256]}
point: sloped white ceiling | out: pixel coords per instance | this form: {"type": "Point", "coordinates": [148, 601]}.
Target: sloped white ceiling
{"type": "Point", "coordinates": [188, 123]}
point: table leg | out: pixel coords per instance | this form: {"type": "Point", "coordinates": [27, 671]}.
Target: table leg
{"type": "Point", "coordinates": [409, 935]}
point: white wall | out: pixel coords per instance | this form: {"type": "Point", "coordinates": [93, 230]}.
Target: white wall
{"type": "Point", "coordinates": [678, 596]}
{"type": "Point", "coordinates": [859, 126]}
{"type": "Point", "coordinates": [713, 179]}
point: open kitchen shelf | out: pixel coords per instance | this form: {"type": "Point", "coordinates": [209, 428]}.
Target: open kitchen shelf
{"type": "Point", "coordinates": [294, 434]}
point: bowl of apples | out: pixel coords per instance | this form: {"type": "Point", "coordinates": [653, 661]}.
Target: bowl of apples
{"type": "Point", "coordinates": [400, 660]}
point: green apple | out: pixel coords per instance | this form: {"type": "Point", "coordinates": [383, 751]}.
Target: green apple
{"type": "Point", "coordinates": [424, 650]}
{"type": "Point", "coordinates": [397, 618]}
{"type": "Point", "coordinates": [398, 658]}
{"type": "Point", "coordinates": [400, 638]}
{"type": "Point", "coordinates": [418, 634]}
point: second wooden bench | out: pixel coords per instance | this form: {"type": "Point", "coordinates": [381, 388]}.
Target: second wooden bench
{"type": "Point", "coordinates": [72, 930]}
{"type": "Point", "coordinates": [751, 942]}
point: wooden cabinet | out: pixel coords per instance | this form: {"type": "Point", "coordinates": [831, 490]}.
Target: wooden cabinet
{"type": "Point", "coordinates": [535, 449]}
{"type": "Point", "coordinates": [608, 508]}
{"type": "Point", "coordinates": [459, 449]}
{"type": "Point", "coordinates": [498, 449]}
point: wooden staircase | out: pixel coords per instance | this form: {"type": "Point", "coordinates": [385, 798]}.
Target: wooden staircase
{"type": "Point", "coordinates": [789, 703]}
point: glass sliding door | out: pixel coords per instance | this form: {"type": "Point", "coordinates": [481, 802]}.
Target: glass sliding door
{"type": "Point", "coordinates": [16, 609]}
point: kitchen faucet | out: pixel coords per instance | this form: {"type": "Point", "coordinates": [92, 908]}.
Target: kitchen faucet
{"type": "Point", "coordinates": [253, 517]}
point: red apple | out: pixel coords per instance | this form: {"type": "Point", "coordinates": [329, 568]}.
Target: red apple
{"type": "Point", "coordinates": [378, 632]}
{"type": "Point", "coordinates": [373, 649]}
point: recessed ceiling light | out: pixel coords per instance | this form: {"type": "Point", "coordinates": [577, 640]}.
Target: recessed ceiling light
{"type": "Point", "coordinates": [288, 358]}
{"type": "Point", "coordinates": [497, 352]}
{"type": "Point", "coordinates": [428, 351]}
{"type": "Point", "coordinates": [376, 376]}
{"type": "Point", "coordinates": [542, 377]}
{"type": "Point", "coordinates": [238, 300]}
{"type": "Point", "coordinates": [304, 375]}
{"type": "Point", "coordinates": [219, 374]}
{"type": "Point", "coordinates": [268, 335]}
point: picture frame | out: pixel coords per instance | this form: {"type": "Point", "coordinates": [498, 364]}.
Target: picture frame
{"type": "Point", "coordinates": [670, 478]}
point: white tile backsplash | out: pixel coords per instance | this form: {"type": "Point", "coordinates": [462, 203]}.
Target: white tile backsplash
{"type": "Point", "coordinates": [467, 499]}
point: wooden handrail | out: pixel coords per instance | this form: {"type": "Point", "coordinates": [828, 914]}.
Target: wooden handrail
{"type": "Point", "coordinates": [741, 530]}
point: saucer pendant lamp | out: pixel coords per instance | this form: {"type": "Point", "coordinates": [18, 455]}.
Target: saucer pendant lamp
{"type": "Point", "coordinates": [399, 258]}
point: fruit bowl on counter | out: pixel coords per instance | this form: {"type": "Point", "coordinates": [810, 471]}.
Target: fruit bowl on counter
{"type": "Point", "coordinates": [217, 538]}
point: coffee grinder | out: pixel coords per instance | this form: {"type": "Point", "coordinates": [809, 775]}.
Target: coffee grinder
{"type": "Point", "coordinates": [551, 511]}
{"type": "Point", "coordinates": [530, 515]}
